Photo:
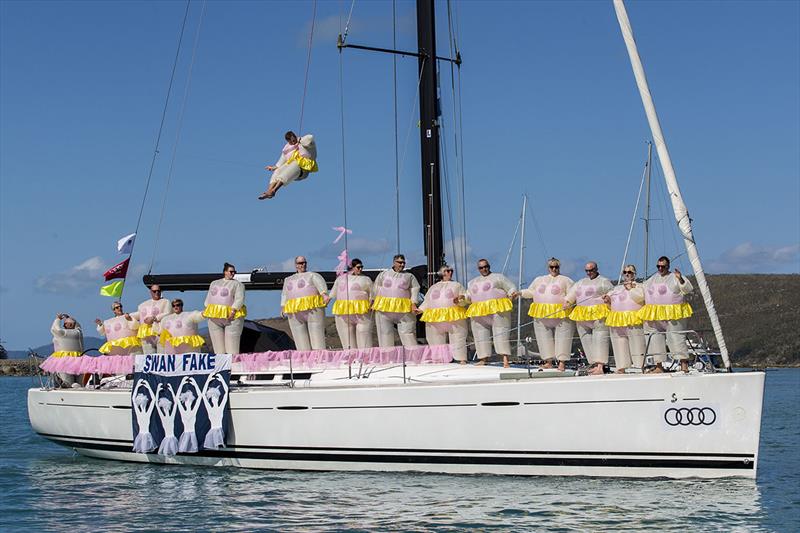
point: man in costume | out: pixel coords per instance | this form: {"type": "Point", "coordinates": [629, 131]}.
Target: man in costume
{"type": "Point", "coordinates": [67, 342]}
{"type": "Point", "coordinates": [589, 313]}
{"type": "Point", "coordinates": [490, 307]}
{"type": "Point", "coordinates": [120, 333]}
{"type": "Point", "coordinates": [303, 301]}
{"type": "Point", "coordinates": [395, 294]}
{"type": "Point", "coordinates": [298, 159]}
{"type": "Point", "coordinates": [148, 315]}
{"type": "Point", "coordinates": [665, 311]}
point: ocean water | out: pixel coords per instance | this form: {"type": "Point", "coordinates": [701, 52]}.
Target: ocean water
{"type": "Point", "coordinates": [44, 487]}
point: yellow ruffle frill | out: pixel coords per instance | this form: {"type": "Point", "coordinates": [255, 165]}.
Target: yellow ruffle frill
{"type": "Point", "coordinates": [444, 314]}
{"type": "Point", "coordinates": [305, 163]}
{"type": "Point", "coordinates": [665, 312]}
{"type": "Point", "coordinates": [623, 319]}
{"type": "Point", "coordinates": [589, 313]}
{"type": "Point", "coordinates": [146, 330]}
{"type": "Point", "coordinates": [124, 342]}
{"type": "Point", "coordinates": [222, 311]}
{"type": "Point", "coordinates": [63, 353]}
{"type": "Point", "coordinates": [351, 307]}
{"type": "Point", "coordinates": [489, 307]}
{"type": "Point", "coordinates": [195, 341]}
{"type": "Point", "coordinates": [295, 305]}
{"type": "Point", "coordinates": [542, 310]}
{"type": "Point", "coordinates": [391, 304]}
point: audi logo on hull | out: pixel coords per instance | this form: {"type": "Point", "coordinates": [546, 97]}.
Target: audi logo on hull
{"type": "Point", "coordinates": [690, 416]}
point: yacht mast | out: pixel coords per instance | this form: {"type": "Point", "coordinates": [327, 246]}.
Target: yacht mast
{"type": "Point", "coordinates": [678, 206]}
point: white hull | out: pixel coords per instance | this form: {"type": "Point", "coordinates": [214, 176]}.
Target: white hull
{"type": "Point", "coordinates": [462, 420]}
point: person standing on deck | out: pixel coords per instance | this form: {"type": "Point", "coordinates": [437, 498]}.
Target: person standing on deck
{"type": "Point", "coordinates": [225, 311]}
{"type": "Point", "coordinates": [67, 342]}
{"type": "Point", "coordinates": [395, 294]}
{"type": "Point", "coordinates": [625, 326]}
{"type": "Point", "coordinates": [589, 314]}
{"type": "Point", "coordinates": [179, 330]}
{"type": "Point", "coordinates": [303, 301]}
{"type": "Point", "coordinates": [665, 311]}
{"type": "Point", "coordinates": [444, 314]}
{"type": "Point", "coordinates": [298, 159]}
{"type": "Point", "coordinates": [490, 312]}
{"type": "Point", "coordinates": [351, 309]}
{"type": "Point", "coordinates": [148, 315]}
{"type": "Point", "coordinates": [551, 322]}
{"type": "Point", "coordinates": [120, 333]}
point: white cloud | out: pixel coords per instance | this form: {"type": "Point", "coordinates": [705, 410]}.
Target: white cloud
{"type": "Point", "coordinates": [86, 275]}
{"type": "Point", "coordinates": [748, 257]}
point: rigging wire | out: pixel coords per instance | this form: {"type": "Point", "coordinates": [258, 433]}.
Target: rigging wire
{"type": "Point", "coordinates": [535, 221]}
{"type": "Point", "coordinates": [308, 65]}
{"type": "Point", "coordinates": [160, 127]}
{"type": "Point", "coordinates": [396, 147]}
{"type": "Point", "coordinates": [511, 246]}
{"type": "Point", "coordinates": [633, 223]}
{"type": "Point", "coordinates": [178, 131]}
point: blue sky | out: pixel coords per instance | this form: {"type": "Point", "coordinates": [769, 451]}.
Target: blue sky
{"type": "Point", "coordinates": [549, 108]}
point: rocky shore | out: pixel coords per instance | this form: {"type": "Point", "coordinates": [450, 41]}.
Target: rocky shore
{"type": "Point", "coordinates": [19, 367]}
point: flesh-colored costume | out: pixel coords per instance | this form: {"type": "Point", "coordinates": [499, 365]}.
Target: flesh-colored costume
{"type": "Point", "coordinates": [589, 315]}
{"type": "Point", "coordinates": [66, 343]}
{"type": "Point", "coordinates": [303, 304]}
{"type": "Point", "coordinates": [223, 296]}
{"type": "Point", "coordinates": [665, 311]}
{"type": "Point", "coordinates": [627, 335]}
{"type": "Point", "coordinates": [393, 293]}
{"type": "Point", "coordinates": [296, 162]}
{"type": "Point", "coordinates": [490, 313]}
{"type": "Point", "coordinates": [148, 333]}
{"type": "Point", "coordinates": [179, 332]}
{"type": "Point", "coordinates": [351, 309]}
{"type": "Point", "coordinates": [120, 334]}
{"type": "Point", "coordinates": [551, 322]}
{"type": "Point", "coordinates": [443, 317]}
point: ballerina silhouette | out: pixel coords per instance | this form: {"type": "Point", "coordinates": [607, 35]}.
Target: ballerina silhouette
{"type": "Point", "coordinates": [166, 409]}
{"type": "Point", "coordinates": [215, 438]}
{"type": "Point", "coordinates": [188, 405]}
{"type": "Point", "coordinates": [143, 407]}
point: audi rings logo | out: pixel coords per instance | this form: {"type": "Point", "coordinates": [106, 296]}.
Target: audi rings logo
{"type": "Point", "coordinates": [690, 416]}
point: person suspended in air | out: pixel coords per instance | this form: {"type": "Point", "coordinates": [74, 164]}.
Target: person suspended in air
{"type": "Point", "coordinates": [298, 159]}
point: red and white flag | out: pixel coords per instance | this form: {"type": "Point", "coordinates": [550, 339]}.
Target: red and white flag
{"type": "Point", "coordinates": [118, 271]}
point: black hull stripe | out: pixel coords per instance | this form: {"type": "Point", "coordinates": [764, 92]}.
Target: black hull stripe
{"type": "Point", "coordinates": [448, 460]}
{"type": "Point", "coordinates": [379, 455]}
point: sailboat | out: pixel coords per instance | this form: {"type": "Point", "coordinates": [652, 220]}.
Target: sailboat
{"type": "Point", "coordinates": [441, 417]}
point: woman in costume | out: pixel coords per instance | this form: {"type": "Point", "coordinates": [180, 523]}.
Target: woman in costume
{"type": "Point", "coordinates": [225, 311]}
{"type": "Point", "coordinates": [179, 330]}
{"type": "Point", "coordinates": [351, 309]}
{"type": "Point", "coordinates": [624, 323]}
{"type": "Point", "coordinates": [298, 159]}
{"type": "Point", "coordinates": [444, 315]}
{"type": "Point", "coordinates": [120, 333]}
{"type": "Point", "coordinates": [551, 322]}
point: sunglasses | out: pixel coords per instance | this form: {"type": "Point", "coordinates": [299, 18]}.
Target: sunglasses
{"type": "Point", "coordinates": [116, 308]}
{"type": "Point", "coordinates": [631, 272]}
{"type": "Point", "coordinates": [400, 262]}
{"type": "Point", "coordinates": [231, 272]}
{"type": "Point", "coordinates": [157, 291]}
{"type": "Point", "coordinates": [554, 267]}
{"type": "Point", "coordinates": [302, 263]}
{"type": "Point", "coordinates": [177, 305]}
{"type": "Point", "coordinates": [358, 266]}
{"type": "Point", "coordinates": [484, 267]}
{"type": "Point", "coordinates": [591, 270]}
{"type": "Point", "coordinates": [662, 266]}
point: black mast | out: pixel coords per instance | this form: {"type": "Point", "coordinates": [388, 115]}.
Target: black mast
{"type": "Point", "coordinates": [429, 137]}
